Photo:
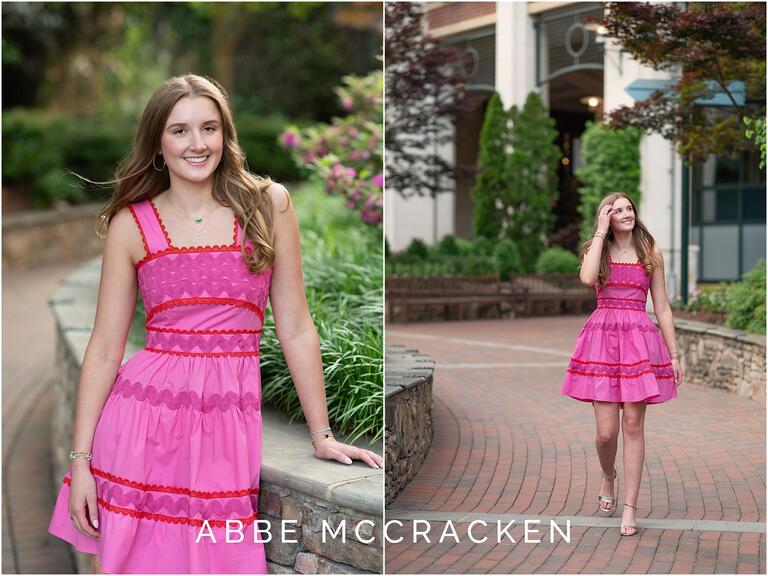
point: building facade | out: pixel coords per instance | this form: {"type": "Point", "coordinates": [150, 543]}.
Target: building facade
{"type": "Point", "coordinates": [552, 48]}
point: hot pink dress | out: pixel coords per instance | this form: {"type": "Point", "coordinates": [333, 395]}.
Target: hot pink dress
{"type": "Point", "coordinates": [620, 355]}
{"type": "Point", "coordinates": [178, 442]}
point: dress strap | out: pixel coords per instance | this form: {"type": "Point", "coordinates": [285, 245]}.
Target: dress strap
{"type": "Point", "coordinates": [149, 225]}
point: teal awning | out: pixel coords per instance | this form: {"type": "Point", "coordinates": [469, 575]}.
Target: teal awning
{"type": "Point", "coordinates": [642, 88]}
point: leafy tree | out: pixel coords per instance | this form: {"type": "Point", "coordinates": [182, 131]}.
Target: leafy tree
{"type": "Point", "coordinates": [532, 171]}
{"type": "Point", "coordinates": [712, 44]}
{"type": "Point", "coordinates": [492, 180]}
{"type": "Point", "coordinates": [611, 163]}
{"type": "Point", "coordinates": [423, 92]}
{"type": "Point", "coordinates": [516, 187]}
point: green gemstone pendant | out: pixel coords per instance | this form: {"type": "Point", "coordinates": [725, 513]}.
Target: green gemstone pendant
{"type": "Point", "coordinates": [198, 220]}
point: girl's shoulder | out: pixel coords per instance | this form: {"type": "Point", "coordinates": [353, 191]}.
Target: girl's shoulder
{"type": "Point", "coordinates": [279, 196]}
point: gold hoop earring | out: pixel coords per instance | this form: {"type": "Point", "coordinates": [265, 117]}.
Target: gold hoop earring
{"type": "Point", "coordinates": [153, 163]}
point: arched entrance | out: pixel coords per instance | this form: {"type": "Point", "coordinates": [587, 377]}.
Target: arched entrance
{"type": "Point", "coordinates": [569, 72]}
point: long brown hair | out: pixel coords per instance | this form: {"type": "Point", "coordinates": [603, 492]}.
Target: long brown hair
{"type": "Point", "coordinates": [642, 240]}
{"type": "Point", "coordinates": [233, 185]}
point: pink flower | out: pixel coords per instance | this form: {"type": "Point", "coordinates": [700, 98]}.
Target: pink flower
{"type": "Point", "coordinates": [290, 139]}
{"type": "Point", "coordinates": [346, 103]}
{"type": "Point", "coordinates": [370, 216]}
{"type": "Point", "coordinates": [337, 171]}
{"type": "Point", "coordinates": [378, 180]}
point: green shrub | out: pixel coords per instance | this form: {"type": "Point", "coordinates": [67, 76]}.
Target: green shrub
{"type": "Point", "coordinates": [258, 137]}
{"type": "Point", "coordinates": [418, 248]}
{"type": "Point", "coordinates": [474, 264]}
{"type": "Point", "coordinates": [557, 260]}
{"type": "Point", "coordinates": [449, 245]}
{"type": "Point", "coordinates": [464, 246]}
{"type": "Point", "coordinates": [746, 301]}
{"type": "Point", "coordinates": [711, 299]}
{"type": "Point", "coordinates": [481, 246]}
{"type": "Point", "coordinates": [611, 161]}
{"type": "Point", "coordinates": [506, 257]}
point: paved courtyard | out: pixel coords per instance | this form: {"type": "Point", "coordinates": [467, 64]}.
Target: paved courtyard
{"type": "Point", "coordinates": [508, 446]}
{"type": "Point", "coordinates": [28, 370]}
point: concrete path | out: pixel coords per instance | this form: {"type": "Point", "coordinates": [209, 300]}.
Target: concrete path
{"type": "Point", "coordinates": [508, 446]}
{"type": "Point", "coordinates": [28, 370]}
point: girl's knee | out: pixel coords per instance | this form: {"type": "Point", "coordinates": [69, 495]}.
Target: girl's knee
{"type": "Point", "coordinates": [607, 437]}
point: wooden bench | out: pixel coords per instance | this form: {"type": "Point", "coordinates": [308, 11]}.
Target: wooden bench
{"type": "Point", "coordinates": [563, 289]}
{"type": "Point", "coordinates": [404, 292]}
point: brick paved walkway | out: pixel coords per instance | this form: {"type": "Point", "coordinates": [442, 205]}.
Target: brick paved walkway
{"type": "Point", "coordinates": [28, 369]}
{"type": "Point", "coordinates": [507, 445]}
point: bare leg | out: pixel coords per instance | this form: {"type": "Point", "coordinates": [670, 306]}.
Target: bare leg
{"type": "Point", "coordinates": [632, 426]}
{"type": "Point", "coordinates": [95, 564]}
{"type": "Point", "coordinates": [606, 442]}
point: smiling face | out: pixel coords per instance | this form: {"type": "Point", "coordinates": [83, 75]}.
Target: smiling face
{"type": "Point", "coordinates": [193, 139]}
{"type": "Point", "coordinates": [623, 215]}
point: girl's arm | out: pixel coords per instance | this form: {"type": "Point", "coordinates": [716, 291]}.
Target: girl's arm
{"type": "Point", "coordinates": [104, 353]}
{"type": "Point", "coordinates": [590, 265]}
{"type": "Point", "coordinates": [664, 313]}
{"type": "Point", "coordinates": [296, 330]}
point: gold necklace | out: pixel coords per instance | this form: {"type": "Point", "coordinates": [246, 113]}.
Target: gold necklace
{"type": "Point", "coordinates": [197, 220]}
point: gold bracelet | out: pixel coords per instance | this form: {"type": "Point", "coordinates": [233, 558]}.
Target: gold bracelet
{"type": "Point", "coordinates": [325, 436]}
{"type": "Point", "coordinates": [320, 431]}
{"type": "Point", "coordinates": [75, 454]}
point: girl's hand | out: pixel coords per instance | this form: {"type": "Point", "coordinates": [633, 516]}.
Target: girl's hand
{"type": "Point", "coordinates": [604, 218]}
{"type": "Point", "coordinates": [331, 449]}
{"type": "Point", "coordinates": [82, 494]}
{"type": "Point", "coordinates": [678, 372]}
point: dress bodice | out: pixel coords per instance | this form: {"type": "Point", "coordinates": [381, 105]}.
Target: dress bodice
{"type": "Point", "coordinates": [199, 300]}
{"type": "Point", "coordinates": [626, 288]}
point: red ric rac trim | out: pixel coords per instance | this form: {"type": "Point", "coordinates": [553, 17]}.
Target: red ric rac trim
{"type": "Point", "coordinates": [160, 221]}
{"type": "Point", "coordinates": [171, 519]}
{"type": "Point", "coordinates": [630, 284]}
{"type": "Point", "coordinates": [169, 489]}
{"type": "Point", "coordinates": [199, 354]}
{"type": "Point", "coordinates": [185, 250]}
{"type": "Point", "coordinates": [181, 331]}
{"type": "Point", "coordinates": [619, 363]}
{"type": "Point", "coordinates": [625, 263]}
{"type": "Point", "coordinates": [207, 300]}
{"type": "Point", "coordinates": [233, 244]}
{"type": "Point", "coordinates": [141, 230]}
{"type": "Point", "coordinates": [615, 298]}
{"type": "Point", "coordinates": [618, 376]}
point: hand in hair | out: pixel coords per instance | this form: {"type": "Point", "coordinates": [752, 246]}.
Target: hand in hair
{"type": "Point", "coordinates": [604, 218]}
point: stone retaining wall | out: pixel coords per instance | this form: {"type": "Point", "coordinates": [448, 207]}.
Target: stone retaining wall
{"type": "Point", "coordinates": [408, 417]}
{"type": "Point", "coordinates": [720, 357]}
{"type": "Point", "coordinates": [294, 484]}
{"type": "Point", "coordinates": [50, 236]}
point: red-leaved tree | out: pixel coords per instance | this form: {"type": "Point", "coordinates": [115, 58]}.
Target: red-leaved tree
{"type": "Point", "coordinates": [711, 45]}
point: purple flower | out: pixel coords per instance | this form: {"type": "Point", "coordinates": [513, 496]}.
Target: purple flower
{"type": "Point", "coordinates": [290, 139]}
{"type": "Point", "coordinates": [371, 216]}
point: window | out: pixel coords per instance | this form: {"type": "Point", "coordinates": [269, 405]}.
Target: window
{"type": "Point", "coordinates": [728, 215]}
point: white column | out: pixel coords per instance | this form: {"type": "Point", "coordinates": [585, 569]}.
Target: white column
{"type": "Point", "coordinates": [515, 53]}
{"type": "Point", "coordinates": [660, 180]}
